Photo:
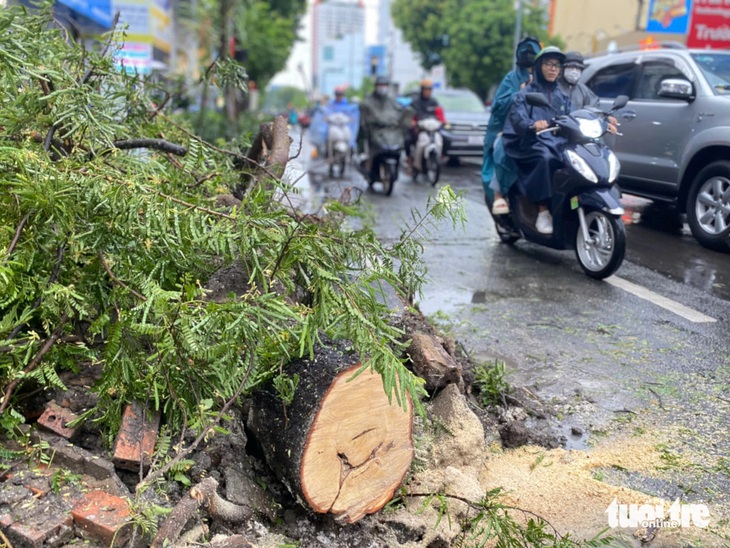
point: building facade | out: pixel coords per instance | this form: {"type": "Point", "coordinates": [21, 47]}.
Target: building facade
{"type": "Point", "coordinates": [338, 45]}
{"type": "Point", "coordinates": [593, 26]}
{"type": "Point", "coordinates": [403, 65]}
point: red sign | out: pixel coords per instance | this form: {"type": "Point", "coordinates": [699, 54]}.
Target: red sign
{"type": "Point", "coordinates": [710, 24]}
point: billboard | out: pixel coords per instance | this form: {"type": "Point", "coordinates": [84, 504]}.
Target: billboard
{"type": "Point", "coordinates": [710, 26]}
{"type": "Point", "coordinates": [669, 16]}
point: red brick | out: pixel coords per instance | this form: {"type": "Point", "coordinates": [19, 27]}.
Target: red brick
{"type": "Point", "coordinates": [6, 520]}
{"type": "Point", "coordinates": [55, 419]}
{"type": "Point", "coordinates": [31, 534]}
{"type": "Point", "coordinates": [137, 437]}
{"type": "Point", "coordinates": [101, 516]}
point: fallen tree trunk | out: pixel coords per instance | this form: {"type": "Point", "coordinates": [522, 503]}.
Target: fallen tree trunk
{"type": "Point", "coordinates": [341, 447]}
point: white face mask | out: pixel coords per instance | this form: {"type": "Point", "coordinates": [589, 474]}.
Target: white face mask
{"type": "Point", "coordinates": [381, 90]}
{"type": "Point", "coordinates": [571, 74]}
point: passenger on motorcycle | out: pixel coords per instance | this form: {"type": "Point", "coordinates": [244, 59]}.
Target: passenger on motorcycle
{"type": "Point", "coordinates": [537, 157]}
{"type": "Point", "coordinates": [580, 95]}
{"type": "Point", "coordinates": [424, 106]}
{"type": "Point", "coordinates": [498, 171]}
{"type": "Point", "coordinates": [382, 122]}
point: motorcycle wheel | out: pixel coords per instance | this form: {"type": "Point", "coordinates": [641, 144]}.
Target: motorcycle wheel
{"type": "Point", "coordinates": [433, 170]}
{"type": "Point", "coordinates": [603, 253]}
{"type": "Point", "coordinates": [388, 176]}
{"type": "Point", "coordinates": [342, 164]}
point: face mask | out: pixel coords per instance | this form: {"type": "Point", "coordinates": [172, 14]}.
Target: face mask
{"type": "Point", "coordinates": [571, 75]}
{"type": "Point", "coordinates": [381, 90]}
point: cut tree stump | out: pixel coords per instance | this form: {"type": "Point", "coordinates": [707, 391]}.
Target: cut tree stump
{"type": "Point", "coordinates": [341, 448]}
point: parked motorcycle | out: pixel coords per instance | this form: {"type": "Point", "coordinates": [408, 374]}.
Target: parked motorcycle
{"type": "Point", "coordinates": [338, 143]}
{"type": "Point", "coordinates": [428, 149]}
{"type": "Point", "coordinates": [585, 201]}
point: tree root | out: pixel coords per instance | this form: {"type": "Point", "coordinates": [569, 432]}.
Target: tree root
{"type": "Point", "coordinates": [203, 494]}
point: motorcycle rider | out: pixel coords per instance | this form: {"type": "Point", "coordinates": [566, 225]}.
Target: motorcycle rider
{"type": "Point", "coordinates": [382, 121]}
{"type": "Point", "coordinates": [424, 106]}
{"type": "Point", "coordinates": [341, 104]}
{"type": "Point", "coordinates": [538, 157]}
{"type": "Point", "coordinates": [494, 155]}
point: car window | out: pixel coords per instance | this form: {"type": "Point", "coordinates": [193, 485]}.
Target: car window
{"type": "Point", "coordinates": [716, 69]}
{"type": "Point", "coordinates": [652, 75]}
{"type": "Point", "coordinates": [466, 102]}
{"type": "Point", "coordinates": [615, 80]}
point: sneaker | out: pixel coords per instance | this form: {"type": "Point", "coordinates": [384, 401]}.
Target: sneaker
{"type": "Point", "coordinates": [500, 207]}
{"type": "Point", "coordinates": [544, 223]}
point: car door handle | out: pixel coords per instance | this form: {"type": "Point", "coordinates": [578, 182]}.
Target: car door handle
{"type": "Point", "coordinates": [628, 115]}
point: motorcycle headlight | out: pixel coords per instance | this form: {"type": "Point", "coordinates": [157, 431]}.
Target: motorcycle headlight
{"type": "Point", "coordinates": [581, 166]}
{"type": "Point", "coordinates": [613, 167]}
{"type": "Point", "coordinates": [592, 129]}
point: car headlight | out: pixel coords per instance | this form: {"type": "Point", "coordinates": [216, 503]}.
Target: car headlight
{"type": "Point", "coordinates": [581, 166]}
{"type": "Point", "coordinates": [613, 166]}
{"type": "Point", "coordinates": [592, 129]}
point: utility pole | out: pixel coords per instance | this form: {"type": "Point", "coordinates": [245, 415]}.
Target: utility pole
{"type": "Point", "coordinates": [518, 27]}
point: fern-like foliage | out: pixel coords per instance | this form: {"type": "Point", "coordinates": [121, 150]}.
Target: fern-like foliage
{"type": "Point", "coordinates": [105, 252]}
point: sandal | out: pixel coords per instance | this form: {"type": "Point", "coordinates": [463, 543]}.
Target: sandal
{"type": "Point", "coordinates": [500, 207]}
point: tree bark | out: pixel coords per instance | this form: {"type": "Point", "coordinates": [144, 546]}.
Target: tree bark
{"type": "Point", "coordinates": [341, 447]}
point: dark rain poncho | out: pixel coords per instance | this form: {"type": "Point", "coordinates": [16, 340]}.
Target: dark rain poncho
{"type": "Point", "coordinates": [537, 157]}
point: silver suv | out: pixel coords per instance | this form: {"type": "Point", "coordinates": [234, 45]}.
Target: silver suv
{"type": "Point", "coordinates": [675, 145]}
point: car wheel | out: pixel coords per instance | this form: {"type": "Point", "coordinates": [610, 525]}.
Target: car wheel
{"type": "Point", "coordinates": [708, 206]}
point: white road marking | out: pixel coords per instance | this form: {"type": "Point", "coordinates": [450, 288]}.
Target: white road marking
{"type": "Point", "coordinates": [668, 304]}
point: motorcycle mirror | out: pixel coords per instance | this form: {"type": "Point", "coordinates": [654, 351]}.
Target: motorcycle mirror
{"type": "Point", "coordinates": [537, 100]}
{"type": "Point", "coordinates": [620, 102]}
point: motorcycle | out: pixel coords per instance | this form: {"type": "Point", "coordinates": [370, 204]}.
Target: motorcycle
{"type": "Point", "coordinates": [387, 159]}
{"type": "Point", "coordinates": [427, 151]}
{"type": "Point", "coordinates": [585, 202]}
{"type": "Point", "coordinates": [338, 143]}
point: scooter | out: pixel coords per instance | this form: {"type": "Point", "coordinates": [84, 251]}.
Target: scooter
{"type": "Point", "coordinates": [338, 143]}
{"type": "Point", "coordinates": [427, 152]}
{"type": "Point", "coordinates": [386, 156]}
{"type": "Point", "coordinates": [585, 202]}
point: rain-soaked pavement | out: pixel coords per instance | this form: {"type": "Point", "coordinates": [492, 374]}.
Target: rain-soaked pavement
{"type": "Point", "coordinates": [611, 358]}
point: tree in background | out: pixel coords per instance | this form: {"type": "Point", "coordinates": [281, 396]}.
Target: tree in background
{"type": "Point", "coordinates": [279, 97]}
{"type": "Point", "coordinates": [240, 41]}
{"type": "Point", "coordinates": [473, 39]}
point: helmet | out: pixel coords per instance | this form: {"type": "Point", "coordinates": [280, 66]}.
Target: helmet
{"type": "Point", "coordinates": [526, 51]}
{"type": "Point", "coordinates": [550, 52]}
{"type": "Point", "coordinates": [574, 59]}
{"type": "Point", "coordinates": [426, 84]}
{"type": "Point", "coordinates": [382, 81]}
{"type": "Point", "coordinates": [339, 90]}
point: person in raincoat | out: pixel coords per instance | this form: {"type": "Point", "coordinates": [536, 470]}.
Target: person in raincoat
{"type": "Point", "coordinates": [579, 94]}
{"type": "Point", "coordinates": [498, 171]}
{"type": "Point", "coordinates": [383, 121]}
{"type": "Point", "coordinates": [537, 157]}
{"type": "Point", "coordinates": [342, 105]}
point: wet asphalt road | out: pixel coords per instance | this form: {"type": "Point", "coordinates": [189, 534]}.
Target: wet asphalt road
{"type": "Point", "coordinates": [611, 360]}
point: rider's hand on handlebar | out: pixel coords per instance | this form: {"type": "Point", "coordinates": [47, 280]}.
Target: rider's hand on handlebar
{"type": "Point", "coordinates": [540, 125]}
{"type": "Point", "coordinates": [612, 125]}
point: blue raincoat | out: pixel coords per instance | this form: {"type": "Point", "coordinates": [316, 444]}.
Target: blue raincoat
{"type": "Point", "coordinates": [494, 156]}
{"type": "Point", "coordinates": [318, 126]}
